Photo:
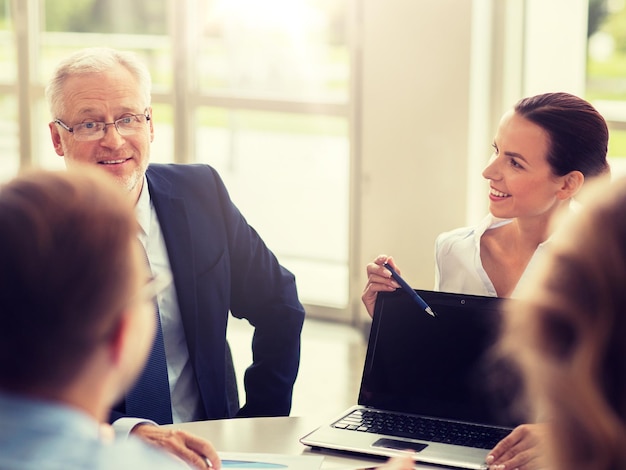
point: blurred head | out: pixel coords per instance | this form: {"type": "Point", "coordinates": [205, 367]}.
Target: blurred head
{"type": "Point", "coordinates": [544, 150]}
{"type": "Point", "coordinates": [102, 85]}
{"type": "Point", "coordinates": [70, 273]}
{"type": "Point", "coordinates": [567, 336]}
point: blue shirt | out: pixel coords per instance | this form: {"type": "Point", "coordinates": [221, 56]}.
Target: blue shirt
{"type": "Point", "coordinates": [43, 435]}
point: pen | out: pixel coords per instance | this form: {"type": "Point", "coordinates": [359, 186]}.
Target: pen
{"type": "Point", "coordinates": [414, 295]}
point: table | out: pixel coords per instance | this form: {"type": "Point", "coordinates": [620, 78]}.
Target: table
{"type": "Point", "coordinates": [279, 435]}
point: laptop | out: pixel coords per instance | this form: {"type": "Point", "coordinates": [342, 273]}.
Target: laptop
{"type": "Point", "coordinates": [431, 386]}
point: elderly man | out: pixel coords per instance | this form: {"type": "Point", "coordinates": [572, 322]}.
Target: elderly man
{"type": "Point", "coordinates": [99, 99]}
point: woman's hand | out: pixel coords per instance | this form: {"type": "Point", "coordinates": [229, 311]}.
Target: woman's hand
{"type": "Point", "coordinates": [520, 450]}
{"type": "Point", "coordinates": [398, 463]}
{"type": "Point", "coordinates": [378, 280]}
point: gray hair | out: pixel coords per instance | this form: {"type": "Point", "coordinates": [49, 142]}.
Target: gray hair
{"type": "Point", "coordinates": [90, 60]}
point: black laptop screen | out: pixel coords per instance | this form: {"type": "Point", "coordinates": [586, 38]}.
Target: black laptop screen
{"type": "Point", "coordinates": [437, 366]}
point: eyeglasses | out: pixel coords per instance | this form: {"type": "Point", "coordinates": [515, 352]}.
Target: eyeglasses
{"type": "Point", "coordinates": [94, 130]}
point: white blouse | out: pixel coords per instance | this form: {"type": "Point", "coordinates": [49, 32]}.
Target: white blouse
{"type": "Point", "coordinates": [458, 266]}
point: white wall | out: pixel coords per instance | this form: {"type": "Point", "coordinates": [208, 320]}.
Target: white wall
{"type": "Point", "coordinates": [555, 46]}
{"type": "Point", "coordinates": [413, 130]}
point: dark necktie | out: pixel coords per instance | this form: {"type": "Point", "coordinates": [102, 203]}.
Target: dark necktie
{"type": "Point", "coordinates": [150, 397]}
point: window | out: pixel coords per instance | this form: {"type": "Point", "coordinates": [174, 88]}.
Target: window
{"type": "Point", "coordinates": [606, 72]}
{"type": "Point", "coordinates": [262, 96]}
{"type": "Point", "coordinates": [273, 87]}
{"type": "Point", "coordinates": [9, 117]}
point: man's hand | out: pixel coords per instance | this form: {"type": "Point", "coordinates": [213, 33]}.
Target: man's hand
{"type": "Point", "coordinates": [194, 450]}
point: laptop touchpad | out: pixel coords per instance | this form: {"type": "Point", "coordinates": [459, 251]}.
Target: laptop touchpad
{"type": "Point", "coordinates": [399, 445]}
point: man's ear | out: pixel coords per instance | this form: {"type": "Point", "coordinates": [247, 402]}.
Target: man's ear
{"type": "Point", "coordinates": [56, 139]}
{"type": "Point", "coordinates": [151, 125]}
{"type": "Point", "coordinates": [571, 184]}
{"type": "Point", "coordinates": [119, 338]}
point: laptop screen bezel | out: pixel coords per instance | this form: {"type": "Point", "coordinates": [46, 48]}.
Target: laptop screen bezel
{"type": "Point", "coordinates": [491, 405]}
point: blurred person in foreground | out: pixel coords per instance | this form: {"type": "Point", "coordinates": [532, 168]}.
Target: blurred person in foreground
{"type": "Point", "coordinates": [100, 102]}
{"type": "Point", "coordinates": [567, 336]}
{"type": "Point", "coordinates": [78, 320]}
{"type": "Point", "coordinates": [77, 315]}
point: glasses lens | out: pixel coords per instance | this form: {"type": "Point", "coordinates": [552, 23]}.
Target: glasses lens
{"type": "Point", "coordinates": [89, 130]}
{"type": "Point", "coordinates": [130, 124]}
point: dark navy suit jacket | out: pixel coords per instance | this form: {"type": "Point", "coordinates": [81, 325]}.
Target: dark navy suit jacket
{"type": "Point", "coordinates": [220, 264]}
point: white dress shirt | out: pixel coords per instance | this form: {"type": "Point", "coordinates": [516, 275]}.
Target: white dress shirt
{"type": "Point", "coordinates": [458, 266]}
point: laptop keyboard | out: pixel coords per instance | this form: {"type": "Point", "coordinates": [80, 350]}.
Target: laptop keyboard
{"type": "Point", "coordinates": [417, 427]}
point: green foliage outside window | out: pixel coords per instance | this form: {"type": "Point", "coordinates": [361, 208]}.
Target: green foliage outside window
{"type": "Point", "coordinates": [106, 16]}
{"type": "Point", "coordinates": [606, 68]}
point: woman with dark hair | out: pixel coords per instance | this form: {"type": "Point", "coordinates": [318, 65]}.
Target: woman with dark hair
{"type": "Point", "coordinates": [545, 148]}
{"type": "Point", "coordinates": [567, 336]}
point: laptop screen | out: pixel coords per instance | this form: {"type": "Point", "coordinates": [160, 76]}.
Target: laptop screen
{"type": "Point", "coordinates": [438, 366]}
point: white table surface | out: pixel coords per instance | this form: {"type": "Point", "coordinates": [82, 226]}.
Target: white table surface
{"type": "Point", "coordinates": [278, 435]}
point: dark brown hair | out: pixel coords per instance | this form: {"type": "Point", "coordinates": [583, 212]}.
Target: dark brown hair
{"type": "Point", "coordinates": [65, 254]}
{"type": "Point", "coordinates": [577, 132]}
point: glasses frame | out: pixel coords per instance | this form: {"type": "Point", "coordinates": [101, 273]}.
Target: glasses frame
{"type": "Point", "coordinates": [105, 124]}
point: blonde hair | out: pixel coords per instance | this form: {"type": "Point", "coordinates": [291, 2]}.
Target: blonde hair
{"type": "Point", "coordinates": [568, 336]}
